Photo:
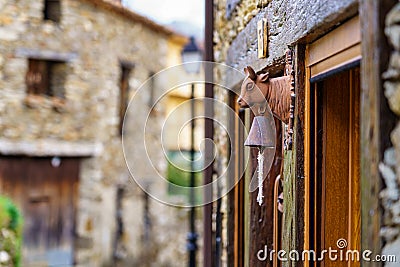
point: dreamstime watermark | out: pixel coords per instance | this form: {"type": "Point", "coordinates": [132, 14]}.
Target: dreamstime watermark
{"type": "Point", "coordinates": [340, 253]}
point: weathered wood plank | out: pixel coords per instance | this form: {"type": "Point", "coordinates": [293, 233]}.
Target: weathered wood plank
{"type": "Point", "coordinates": [293, 227]}
{"type": "Point", "coordinates": [289, 187]}
{"type": "Point", "coordinates": [261, 220]}
{"type": "Point", "coordinates": [375, 55]}
{"type": "Point", "coordinates": [299, 124]}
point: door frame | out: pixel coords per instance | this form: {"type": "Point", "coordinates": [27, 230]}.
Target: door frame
{"type": "Point", "coordinates": [323, 57]}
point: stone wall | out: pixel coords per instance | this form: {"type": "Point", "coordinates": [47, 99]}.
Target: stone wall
{"type": "Point", "coordinates": [289, 22]}
{"type": "Point", "coordinates": [92, 41]}
{"type": "Point", "coordinates": [389, 168]}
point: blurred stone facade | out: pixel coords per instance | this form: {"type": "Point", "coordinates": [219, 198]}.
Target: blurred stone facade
{"type": "Point", "coordinates": [91, 41]}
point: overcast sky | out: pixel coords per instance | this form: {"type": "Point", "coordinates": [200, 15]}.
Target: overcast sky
{"type": "Point", "coordinates": [167, 11]}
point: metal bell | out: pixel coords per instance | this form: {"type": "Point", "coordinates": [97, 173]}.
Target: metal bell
{"type": "Point", "coordinates": [262, 133]}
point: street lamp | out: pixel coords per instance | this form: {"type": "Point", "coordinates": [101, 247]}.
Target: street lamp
{"type": "Point", "coordinates": [191, 55]}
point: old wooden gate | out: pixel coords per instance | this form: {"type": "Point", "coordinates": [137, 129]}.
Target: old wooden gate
{"type": "Point", "coordinates": [46, 191]}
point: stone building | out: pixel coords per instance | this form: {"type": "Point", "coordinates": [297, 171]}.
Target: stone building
{"type": "Point", "coordinates": [67, 71]}
{"type": "Point", "coordinates": [340, 177]}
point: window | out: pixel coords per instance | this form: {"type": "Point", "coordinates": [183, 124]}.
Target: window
{"type": "Point", "coordinates": [52, 10]}
{"type": "Point", "coordinates": [124, 94]}
{"type": "Point", "coordinates": [46, 77]}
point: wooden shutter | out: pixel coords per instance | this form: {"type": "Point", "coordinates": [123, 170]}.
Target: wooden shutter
{"type": "Point", "coordinates": [37, 77]}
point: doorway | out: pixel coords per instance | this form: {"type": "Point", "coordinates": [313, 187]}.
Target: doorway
{"type": "Point", "coordinates": [332, 146]}
{"type": "Point", "coordinates": [45, 190]}
{"type": "Point", "coordinates": [335, 172]}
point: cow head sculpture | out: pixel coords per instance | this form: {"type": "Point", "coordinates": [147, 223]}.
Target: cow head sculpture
{"type": "Point", "coordinates": [258, 89]}
{"type": "Point", "coordinates": [250, 92]}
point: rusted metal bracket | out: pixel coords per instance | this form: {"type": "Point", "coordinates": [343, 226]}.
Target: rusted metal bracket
{"type": "Point", "coordinates": [290, 72]}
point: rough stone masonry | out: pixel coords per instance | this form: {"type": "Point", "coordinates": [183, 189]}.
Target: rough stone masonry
{"type": "Point", "coordinates": [390, 167]}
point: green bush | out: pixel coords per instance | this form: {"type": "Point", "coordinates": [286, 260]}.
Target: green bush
{"type": "Point", "coordinates": [10, 233]}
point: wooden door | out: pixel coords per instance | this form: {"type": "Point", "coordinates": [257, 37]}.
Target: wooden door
{"type": "Point", "coordinates": [47, 194]}
{"type": "Point", "coordinates": [336, 171]}
{"type": "Point", "coordinates": [331, 145]}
